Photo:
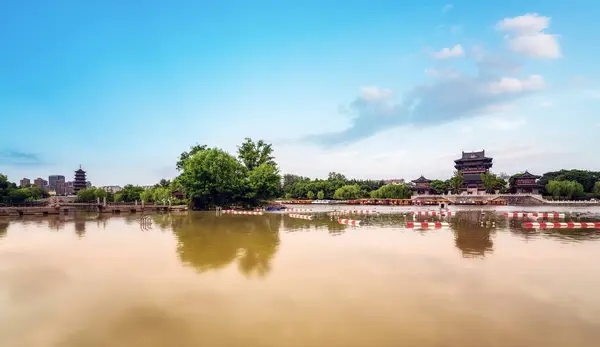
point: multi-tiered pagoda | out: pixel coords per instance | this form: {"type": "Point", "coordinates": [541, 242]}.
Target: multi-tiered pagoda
{"type": "Point", "coordinates": [79, 183]}
{"type": "Point", "coordinates": [472, 165]}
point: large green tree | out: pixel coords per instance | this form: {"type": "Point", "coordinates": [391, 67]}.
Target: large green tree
{"type": "Point", "coordinates": [491, 182]}
{"type": "Point", "coordinates": [392, 191]}
{"type": "Point", "coordinates": [130, 193]}
{"type": "Point", "coordinates": [440, 187]}
{"type": "Point", "coordinates": [347, 192]}
{"type": "Point", "coordinates": [457, 181]}
{"type": "Point", "coordinates": [254, 154]}
{"type": "Point", "coordinates": [213, 177]}
{"type": "Point", "coordinates": [565, 189]}
{"type": "Point", "coordinates": [262, 183]}
{"type": "Point", "coordinates": [184, 156]}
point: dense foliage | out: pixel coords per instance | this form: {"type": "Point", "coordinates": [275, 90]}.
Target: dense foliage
{"type": "Point", "coordinates": [92, 195]}
{"type": "Point", "coordinates": [213, 177]}
{"type": "Point", "coordinates": [566, 189]}
{"type": "Point", "coordinates": [10, 193]}
{"type": "Point", "coordinates": [587, 179]}
{"type": "Point", "coordinates": [392, 191]}
{"type": "Point", "coordinates": [299, 187]}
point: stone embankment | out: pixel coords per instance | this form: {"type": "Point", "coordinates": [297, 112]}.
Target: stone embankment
{"type": "Point", "coordinates": [73, 207]}
{"type": "Point", "coordinates": [511, 199]}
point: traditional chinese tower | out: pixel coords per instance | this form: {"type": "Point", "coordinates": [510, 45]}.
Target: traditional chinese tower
{"type": "Point", "coordinates": [472, 165]}
{"type": "Point", "coordinates": [79, 183]}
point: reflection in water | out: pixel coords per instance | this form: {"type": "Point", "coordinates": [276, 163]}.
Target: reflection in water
{"type": "Point", "coordinates": [80, 228]}
{"type": "Point", "coordinates": [208, 242]}
{"type": "Point", "coordinates": [163, 221]}
{"type": "Point", "coordinates": [3, 228]}
{"type": "Point", "coordinates": [378, 285]}
{"type": "Point", "coordinates": [472, 231]}
{"type": "Point", "coordinates": [319, 222]}
{"type": "Point", "coordinates": [570, 235]}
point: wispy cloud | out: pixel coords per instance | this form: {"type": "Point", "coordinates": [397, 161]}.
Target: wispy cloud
{"type": "Point", "coordinates": [18, 158]}
{"type": "Point", "coordinates": [452, 95]}
{"type": "Point", "coordinates": [455, 52]}
{"type": "Point", "coordinates": [447, 8]}
{"type": "Point", "coordinates": [443, 101]}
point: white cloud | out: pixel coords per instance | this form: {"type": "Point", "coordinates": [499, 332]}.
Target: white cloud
{"type": "Point", "coordinates": [375, 93]}
{"type": "Point", "coordinates": [527, 37]}
{"type": "Point", "coordinates": [515, 85]}
{"type": "Point", "coordinates": [454, 52]}
{"type": "Point", "coordinates": [447, 8]}
{"type": "Point", "coordinates": [527, 24]}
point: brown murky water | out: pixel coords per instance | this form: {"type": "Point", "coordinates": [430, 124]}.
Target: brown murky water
{"type": "Point", "coordinates": [202, 280]}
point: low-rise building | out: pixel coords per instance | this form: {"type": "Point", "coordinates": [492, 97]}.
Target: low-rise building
{"type": "Point", "coordinates": [25, 182]}
{"type": "Point", "coordinates": [526, 183]}
{"type": "Point", "coordinates": [42, 183]}
{"type": "Point", "coordinates": [69, 189]}
{"type": "Point", "coordinates": [60, 187]}
{"type": "Point", "coordinates": [421, 186]}
{"type": "Point", "coordinates": [394, 181]}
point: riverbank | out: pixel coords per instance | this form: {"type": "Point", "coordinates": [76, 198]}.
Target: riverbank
{"type": "Point", "coordinates": [15, 211]}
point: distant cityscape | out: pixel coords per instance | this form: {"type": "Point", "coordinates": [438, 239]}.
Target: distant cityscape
{"type": "Point", "coordinates": [58, 185]}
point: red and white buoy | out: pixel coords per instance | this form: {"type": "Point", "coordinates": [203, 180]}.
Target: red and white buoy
{"type": "Point", "coordinates": [427, 225]}
{"type": "Point", "coordinates": [431, 213]}
{"type": "Point", "coordinates": [300, 216]}
{"type": "Point", "coordinates": [534, 215]}
{"type": "Point", "coordinates": [349, 222]}
{"type": "Point", "coordinates": [568, 225]}
{"type": "Point", "coordinates": [344, 212]}
{"type": "Point", "coordinates": [250, 213]}
{"type": "Point", "coordinates": [298, 210]}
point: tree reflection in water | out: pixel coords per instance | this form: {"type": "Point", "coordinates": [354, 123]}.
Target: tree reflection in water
{"type": "Point", "coordinates": [3, 228]}
{"type": "Point", "coordinates": [80, 228]}
{"type": "Point", "coordinates": [319, 222]}
{"type": "Point", "coordinates": [472, 233]}
{"type": "Point", "coordinates": [209, 242]}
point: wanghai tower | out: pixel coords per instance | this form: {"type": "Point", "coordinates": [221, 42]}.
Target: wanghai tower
{"type": "Point", "coordinates": [79, 183]}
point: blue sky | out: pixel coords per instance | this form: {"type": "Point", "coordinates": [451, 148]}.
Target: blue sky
{"type": "Point", "coordinates": [375, 89]}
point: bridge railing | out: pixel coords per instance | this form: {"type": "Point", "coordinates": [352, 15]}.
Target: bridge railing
{"type": "Point", "coordinates": [109, 204]}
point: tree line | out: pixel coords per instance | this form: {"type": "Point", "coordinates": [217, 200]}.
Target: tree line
{"type": "Point", "coordinates": [211, 177]}
{"type": "Point", "coordinates": [11, 193]}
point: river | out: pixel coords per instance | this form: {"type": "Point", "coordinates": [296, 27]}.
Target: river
{"type": "Point", "coordinates": [198, 279]}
